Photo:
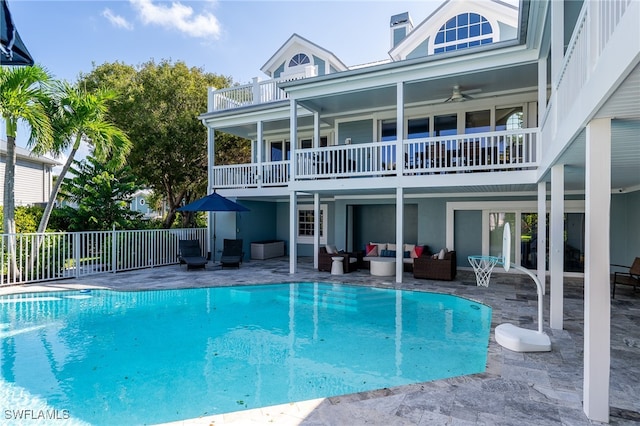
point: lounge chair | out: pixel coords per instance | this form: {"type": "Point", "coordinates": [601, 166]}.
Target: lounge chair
{"type": "Point", "coordinates": [632, 277]}
{"type": "Point", "coordinates": [232, 253]}
{"type": "Point", "coordinates": [190, 254]}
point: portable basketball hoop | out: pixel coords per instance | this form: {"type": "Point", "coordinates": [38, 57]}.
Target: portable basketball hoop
{"type": "Point", "coordinates": [513, 337]}
{"type": "Point", "coordinates": [482, 266]}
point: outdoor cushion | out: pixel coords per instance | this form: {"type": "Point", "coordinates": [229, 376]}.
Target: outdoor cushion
{"type": "Point", "coordinates": [371, 250]}
{"type": "Point", "coordinates": [417, 251]}
{"type": "Point", "coordinates": [442, 253]}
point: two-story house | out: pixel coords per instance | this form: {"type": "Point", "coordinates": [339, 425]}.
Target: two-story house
{"type": "Point", "coordinates": [33, 178]}
{"type": "Point", "coordinates": [482, 114]}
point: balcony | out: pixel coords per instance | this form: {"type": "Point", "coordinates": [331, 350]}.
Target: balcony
{"type": "Point", "coordinates": [478, 152]}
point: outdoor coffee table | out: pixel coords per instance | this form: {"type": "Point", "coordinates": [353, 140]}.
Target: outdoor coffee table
{"type": "Point", "coordinates": [383, 267]}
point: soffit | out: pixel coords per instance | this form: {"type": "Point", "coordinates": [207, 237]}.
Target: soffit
{"type": "Point", "coordinates": [487, 83]}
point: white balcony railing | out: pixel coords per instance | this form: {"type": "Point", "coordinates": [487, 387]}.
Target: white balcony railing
{"type": "Point", "coordinates": [491, 151]}
{"type": "Point", "coordinates": [257, 92]}
{"type": "Point", "coordinates": [59, 255]}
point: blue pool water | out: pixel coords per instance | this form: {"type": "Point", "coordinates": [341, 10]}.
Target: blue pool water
{"type": "Point", "coordinates": [105, 357]}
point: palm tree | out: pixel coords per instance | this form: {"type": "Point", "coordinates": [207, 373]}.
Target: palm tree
{"type": "Point", "coordinates": [78, 116]}
{"type": "Point", "coordinates": [22, 96]}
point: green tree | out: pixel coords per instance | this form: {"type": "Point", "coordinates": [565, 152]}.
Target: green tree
{"type": "Point", "coordinates": [160, 110]}
{"type": "Point", "coordinates": [23, 94]}
{"type": "Point", "coordinates": [102, 194]}
{"type": "Point", "coordinates": [77, 116]}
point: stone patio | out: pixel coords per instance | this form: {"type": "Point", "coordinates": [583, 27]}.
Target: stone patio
{"type": "Point", "coordinates": [516, 388]}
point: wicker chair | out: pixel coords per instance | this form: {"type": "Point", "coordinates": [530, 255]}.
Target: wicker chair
{"type": "Point", "coordinates": [325, 260]}
{"type": "Point", "coordinates": [631, 278]}
{"type": "Point", "coordinates": [427, 267]}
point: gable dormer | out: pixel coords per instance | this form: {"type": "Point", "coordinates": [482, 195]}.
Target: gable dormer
{"type": "Point", "coordinates": [300, 58]}
{"type": "Point", "coordinates": [459, 24]}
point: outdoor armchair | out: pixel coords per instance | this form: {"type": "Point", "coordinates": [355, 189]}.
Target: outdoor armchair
{"type": "Point", "coordinates": [232, 253]}
{"type": "Point", "coordinates": [350, 262]}
{"type": "Point", "coordinates": [632, 277]}
{"type": "Point", "coordinates": [189, 253]}
{"type": "Point", "coordinates": [435, 269]}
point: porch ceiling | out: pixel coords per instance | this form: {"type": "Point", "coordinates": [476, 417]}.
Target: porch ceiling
{"type": "Point", "coordinates": [624, 108]}
{"type": "Point", "coordinates": [482, 84]}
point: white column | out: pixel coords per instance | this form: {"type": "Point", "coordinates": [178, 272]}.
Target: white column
{"type": "Point", "coordinates": [556, 247]}
{"type": "Point", "coordinates": [399, 228]}
{"type": "Point", "coordinates": [542, 234]}
{"type": "Point", "coordinates": [211, 229]}
{"type": "Point", "coordinates": [316, 229]}
{"type": "Point", "coordinates": [557, 54]}
{"type": "Point", "coordinates": [293, 137]}
{"type": "Point", "coordinates": [259, 159]}
{"type": "Point", "coordinates": [399, 129]}
{"type": "Point", "coordinates": [316, 129]}
{"type": "Point", "coordinates": [557, 39]}
{"type": "Point", "coordinates": [542, 89]}
{"type": "Point", "coordinates": [293, 232]}
{"type": "Point", "coordinates": [597, 302]}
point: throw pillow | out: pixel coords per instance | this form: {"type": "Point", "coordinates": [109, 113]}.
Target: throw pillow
{"type": "Point", "coordinates": [388, 253]}
{"type": "Point", "coordinates": [331, 249]}
{"type": "Point", "coordinates": [417, 251]}
{"type": "Point", "coordinates": [408, 247]}
{"type": "Point", "coordinates": [381, 246]}
{"type": "Point", "coordinates": [372, 250]}
{"type": "Point", "coordinates": [406, 254]}
{"type": "Point", "coordinates": [442, 253]}
{"type": "Point", "coordinates": [391, 246]}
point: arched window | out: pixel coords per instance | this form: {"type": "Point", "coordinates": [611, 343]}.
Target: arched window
{"type": "Point", "coordinates": [299, 59]}
{"type": "Point", "coordinates": [465, 30]}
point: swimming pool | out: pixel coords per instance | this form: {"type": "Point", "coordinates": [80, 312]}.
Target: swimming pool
{"type": "Point", "coordinates": [106, 357]}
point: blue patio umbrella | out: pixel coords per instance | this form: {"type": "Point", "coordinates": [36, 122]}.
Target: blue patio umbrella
{"type": "Point", "coordinates": [213, 203]}
{"type": "Point", "coordinates": [12, 49]}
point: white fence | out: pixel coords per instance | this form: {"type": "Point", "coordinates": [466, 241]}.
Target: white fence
{"type": "Point", "coordinates": [59, 255]}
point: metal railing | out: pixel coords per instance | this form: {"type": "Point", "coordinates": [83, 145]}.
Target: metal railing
{"type": "Point", "coordinates": [59, 255]}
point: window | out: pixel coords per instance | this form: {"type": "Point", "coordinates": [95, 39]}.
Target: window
{"type": "Point", "coordinates": [299, 59]}
{"type": "Point", "coordinates": [277, 153]}
{"type": "Point", "coordinates": [387, 130]}
{"type": "Point", "coordinates": [445, 125]}
{"type": "Point", "coordinates": [418, 128]}
{"type": "Point", "coordinates": [462, 31]}
{"type": "Point", "coordinates": [305, 224]}
{"type": "Point", "coordinates": [308, 142]}
{"type": "Point", "coordinates": [478, 121]}
{"type": "Point", "coordinates": [509, 118]}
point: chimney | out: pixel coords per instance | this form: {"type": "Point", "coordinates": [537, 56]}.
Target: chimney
{"type": "Point", "coordinates": [401, 26]}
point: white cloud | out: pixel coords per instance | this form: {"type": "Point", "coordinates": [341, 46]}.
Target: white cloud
{"type": "Point", "coordinates": [179, 17]}
{"type": "Point", "coordinates": [117, 20]}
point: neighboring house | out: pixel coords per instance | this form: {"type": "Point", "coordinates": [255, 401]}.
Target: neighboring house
{"type": "Point", "coordinates": [33, 178]}
{"type": "Point", "coordinates": [139, 204]}
{"type": "Point", "coordinates": [482, 114]}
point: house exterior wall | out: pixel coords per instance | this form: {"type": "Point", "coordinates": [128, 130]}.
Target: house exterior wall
{"type": "Point", "coordinates": [625, 233]}
{"type": "Point", "coordinates": [468, 235]}
{"type": "Point", "coordinates": [360, 131]}
{"type": "Point", "coordinates": [32, 182]}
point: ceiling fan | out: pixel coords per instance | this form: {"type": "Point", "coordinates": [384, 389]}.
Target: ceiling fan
{"type": "Point", "coordinates": [459, 96]}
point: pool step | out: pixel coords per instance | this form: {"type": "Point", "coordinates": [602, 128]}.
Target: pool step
{"type": "Point", "coordinates": [340, 298]}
